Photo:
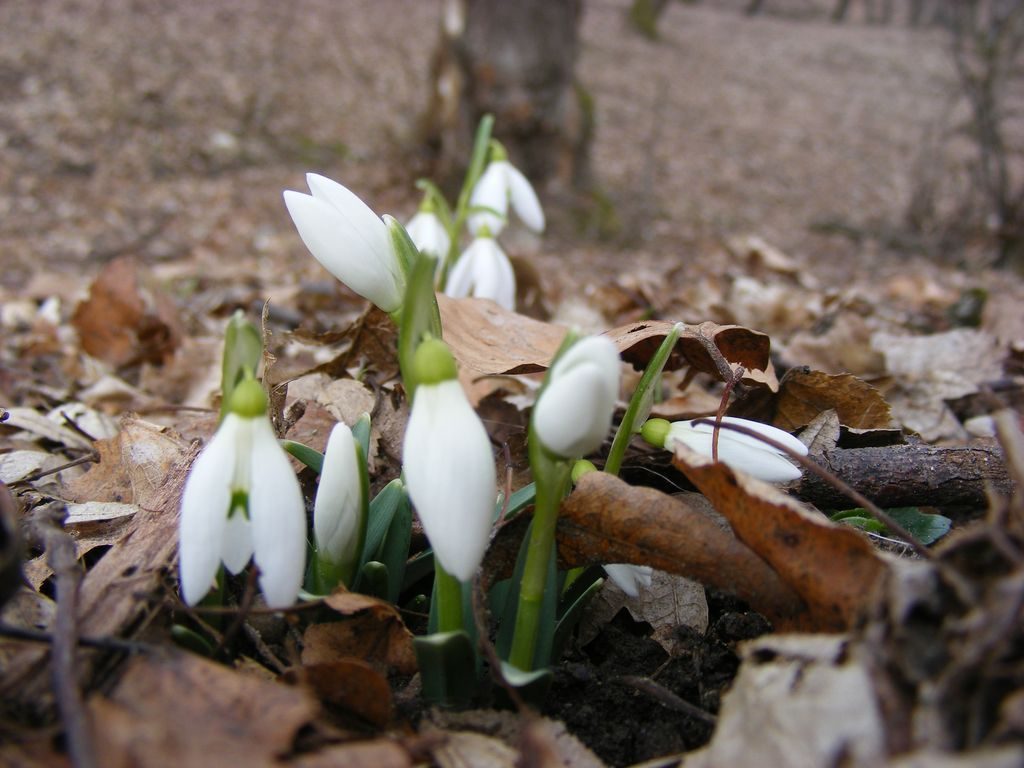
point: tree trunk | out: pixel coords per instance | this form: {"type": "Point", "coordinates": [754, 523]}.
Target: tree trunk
{"type": "Point", "coordinates": [514, 60]}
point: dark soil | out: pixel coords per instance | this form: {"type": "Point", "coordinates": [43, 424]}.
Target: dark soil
{"type": "Point", "coordinates": [618, 694]}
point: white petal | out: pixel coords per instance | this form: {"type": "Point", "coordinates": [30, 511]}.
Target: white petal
{"type": "Point", "coordinates": [338, 507]}
{"type": "Point", "coordinates": [204, 509]}
{"type": "Point", "coordinates": [524, 200]}
{"type": "Point", "coordinates": [429, 234]}
{"type": "Point", "coordinates": [351, 242]}
{"type": "Point", "coordinates": [599, 351]}
{"type": "Point", "coordinates": [767, 430]}
{"type": "Point", "coordinates": [449, 471]}
{"type": "Point", "coordinates": [236, 552]}
{"type": "Point", "coordinates": [629, 578]}
{"type": "Point", "coordinates": [573, 415]}
{"type": "Point", "coordinates": [491, 191]}
{"type": "Point", "coordinates": [277, 514]}
{"type": "Point", "coordinates": [484, 271]}
{"type": "Point", "coordinates": [762, 463]}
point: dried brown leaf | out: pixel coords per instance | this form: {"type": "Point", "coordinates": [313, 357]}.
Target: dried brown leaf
{"type": "Point", "coordinates": [605, 520]}
{"type": "Point", "coordinates": [489, 341]}
{"type": "Point", "coordinates": [804, 394]}
{"type": "Point", "coordinates": [121, 324]}
{"type": "Point", "coordinates": [373, 631]}
{"type": "Point", "coordinates": [833, 568]}
{"type": "Point", "coordinates": [352, 685]}
{"type": "Point", "coordinates": [133, 465]}
{"type": "Point", "coordinates": [180, 710]}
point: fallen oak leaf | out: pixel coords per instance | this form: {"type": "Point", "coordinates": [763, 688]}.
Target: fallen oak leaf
{"type": "Point", "coordinates": [833, 568]}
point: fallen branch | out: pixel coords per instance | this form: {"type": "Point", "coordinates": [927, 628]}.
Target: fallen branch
{"type": "Point", "coordinates": [911, 475]}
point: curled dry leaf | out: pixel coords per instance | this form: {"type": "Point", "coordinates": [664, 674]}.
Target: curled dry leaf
{"type": "Point", "coordinates": [373, 631]}
{"type": "Point", "coordinates": [833, 568]}
{"type": "Point", "coordinates": [803, 394]}
{"type": "Point", "coordinates": [488, 340]}
{"type": "Point", "coordinates": [606, 520]}
{"type": "Point", "coordinates": [177, 709]}
{"type": "Point", "coordinates": [123, 324]}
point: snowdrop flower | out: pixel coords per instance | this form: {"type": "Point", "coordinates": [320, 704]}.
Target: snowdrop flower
{"type": "Point", "coordinates": [349, 240]}
{"type": "Point", "coordinates": [339, 512]}
{"type": "Point", "coordinates": [629, 578]}
{"type": "Point", "coordinates": [448, 464]}
{"type": "Point", "coordinates": [500, 184]}
{"type": "Point", "coordinates": [484, 272]}
{"type": "Point", "coordinates": [242, 499]}
{"type": "Point", "coordinates": [574, 411]}
{"type": "Point", "coordinates": [429, 234]}
{"type": "Point", "coordinates": [739, 451]}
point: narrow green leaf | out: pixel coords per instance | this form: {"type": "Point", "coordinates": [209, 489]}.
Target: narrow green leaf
{"type": "Point", "coordinates": [306, 455]}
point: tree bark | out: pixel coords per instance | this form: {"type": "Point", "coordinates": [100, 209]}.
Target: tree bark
{"type": "Point", "coordinates": [516, 61]}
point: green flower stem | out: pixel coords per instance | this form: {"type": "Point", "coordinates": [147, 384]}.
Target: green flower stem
{"type": "Point", "coordinates": [477, 163]}
{"type": "Point", "coordinates": [449, 600]}
{"type": "Point", "coordinates": [552, 477]}
{"type": "Point", "coordinates": [640, 404]}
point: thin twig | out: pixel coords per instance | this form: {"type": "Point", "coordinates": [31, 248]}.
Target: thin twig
{"type": "Point", "coordinates": [60, 556]}
{"type": "Point", "coordinates": [116, 644]}
{"type": "Point", "coordinates": [667, 698]}
{"type": "Point", "coordinates": [89, 458]}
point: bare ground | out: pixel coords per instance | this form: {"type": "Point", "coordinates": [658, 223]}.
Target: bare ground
{"type": "Point", "coordinates": [169, 131]}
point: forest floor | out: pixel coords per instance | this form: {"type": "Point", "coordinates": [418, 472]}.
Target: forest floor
{"type": "Point", "coordinates": [779, 172]}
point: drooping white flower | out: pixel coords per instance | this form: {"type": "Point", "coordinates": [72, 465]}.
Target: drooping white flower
{"type": "Point", "coordinates": [339, 510]}
{"type": "Point", "coordinates": [739, 451]}
{"type": "Point", "coordinates": [484, 272]}
{"type": "Point", "coordinates": [629, 578]}
{"type": "Point", "coordinates": [502, 183]}
{"type": "Point", "coordinates": [349, 240]}
{"type": "Point", "coordinates": [448, 464]}
{"type": "Point", "coordinates": [429, 234]}
{"type": "Point", "coordinates": [574, 412]}
{"type": "Point", "coordinates": [242, 500]}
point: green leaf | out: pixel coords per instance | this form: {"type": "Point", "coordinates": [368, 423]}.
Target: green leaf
{"type": "Point", "coordinates": [381, 513]}
{"type": "Point", "coordinates": [306, 455]}
{"type": "Point", "coordinates": [520, 500]}
{"type": "Point", "coordinates": [393, 551]}
{"type": "Point", "coordinates": [531, 686]}
{"type": "Point", "coordinates": [373, 580]}
{"type": "Point", "coordinates": [640, 403]}
{"type": "Point", "coordinates": [447, 663]}
{"type": "Point", "coordinates": [361, 432]}
{"type": "Point", "coordinates": [925, 526]}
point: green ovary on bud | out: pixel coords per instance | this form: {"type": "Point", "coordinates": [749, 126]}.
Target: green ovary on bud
{"type": "Point", "coordinates": [581, 468]}
{"type": "Point", "coordinates": [248, 399]}
{"type": "Point", "coordinates": [433, 362]}
{"type": "Point", "coordinates": [654, 431]}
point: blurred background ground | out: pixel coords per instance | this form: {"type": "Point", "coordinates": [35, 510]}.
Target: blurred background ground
{"type": "Point", "coordinates": [167, 131]}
